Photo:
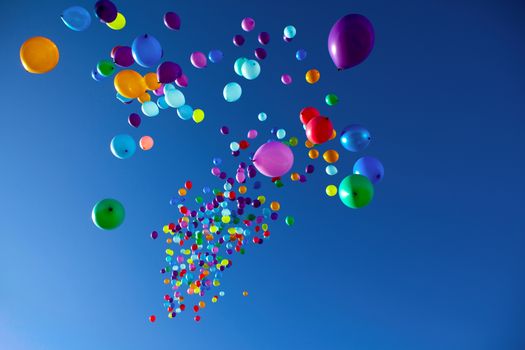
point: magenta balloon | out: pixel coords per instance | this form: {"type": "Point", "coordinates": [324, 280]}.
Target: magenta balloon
{"type": "Point", "coordinates": [168, 71]}
{"type": "Point", "coordinates": [260, 53]}
{"type": "Point", "coordinates": [264, 38]}
{"type": "Point", "coordinates": [273, 159]}
{"type": "Point", "coordinates": [182, 81]}
{"type": "Point", "coordinates": [350, 41]}
{"type": "Point", "coordinates": [198, 59]}
{"type": "Point", "coordinates": [172, 20]}
{"type": "Point", "coordinates": [248, 24]}
{"type": "Point", "coordinates": [159, 91]}
{"type": "Point", "coordinates": [123, 56]}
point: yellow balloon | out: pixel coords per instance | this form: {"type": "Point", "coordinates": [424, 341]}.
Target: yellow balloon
{"type": "Point", "coordinates": [151, 81]}
{"type": "Point", "coordinates": [39, 55]}
{"type": "Point", "coordinates": [331, 156]}
{"type": "Point", "coordinates": [129, 83]}
{"type": "Point", "coordinates": [312, 76]}
{"type": "Point", "coordinates": [331, 190]}
{"type": "Point", "coordinates": [198, 115]}
{"type": "Point", "coordinates": [118, 23]}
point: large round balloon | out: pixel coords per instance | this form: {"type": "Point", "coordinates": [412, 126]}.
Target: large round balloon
{"type": "Point", "coordinates": [129, 83]}
{"type": "Point", "coordinates": [319, 130]}
{"type": "Point", "coordinates": [39, 55]}
{"type": "Point", "coordinates": [106, 11]}
{"type": "Point", "coordinates": [232, 92]}
{"type": "Point", "coordinates": [168, 72]}
{"type": "Point", "coordinates": [147, 51]}
{"type": "Point", "coordinates": [250, 69]}
{"type": "Point", "coordinates": [350, 41]}
{"type": "Point", "coordinates": [371, 168]}
{"type": "Point", "coordinates": [123, 56]}
{"type": "Point", "coordinates": [355, 137]}
{"type": "Point", "coordinates": [273, 159]}
{"type": "Point", "coordinates": [76, 18]}
{"type": "Point", "coordinates": [108, 214]}
{"type": "Point", "coordinates": [356, 191]}
{"type": "Point", "coordinates": [123, 146]}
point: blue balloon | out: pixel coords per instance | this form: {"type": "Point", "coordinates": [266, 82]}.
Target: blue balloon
{"type": "Point", "coordinates": [251, 69]}
{"type": "Point", "coordinates": [174, 98]}
{"type": "Point", "coordinates": [76, 18]}
{"type": "Point", "coordinates": [123, 146]}
{"type": "Point", "coordinates": [215, 56]}
{"type": "Point", "coordinates": [161, 102]}
{"type": "Point", "coordinates": [185, 112]}
{"type": "Point", "coordinates": [124, 99]}
{"type": "Point", "coordinates": [150, 109]}
{"type": "Point", "coordinates": [355, 138]}
{"type": "Point", "coordinates": [331, 170]}
{"type": "Point", "coordinates": [370, 167]}
{"type": "Point", "coordinates": [146, 50]}
{"type": "Point", "coordinates": [232, 92]}
{"type": "Point", "coordinates": [300, 54]}
{"type": "Point", "coordinates": [237, 66]}
{"type": "Point", "coordinates": [96, 75]}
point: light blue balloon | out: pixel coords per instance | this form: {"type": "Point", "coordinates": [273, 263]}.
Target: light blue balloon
{"type": "Point", "coordinates": [237, 66]}
{"type": "Point", "coordinates": [262, 116]}
{"type": "Point", "coordinates": [232, 92]}
{"type": "Point", "coordinates": [123, 146]}
{"type": "Point", "coordinates": [123, 99]}
{"type": "Point", "coordinates": [146, 50]}
{"type": "Point", "coordinates": [161, 102]}
{"type": "Point", "coordinates": [234, 146]}
{"type": "Point", "coordinates": [185, 112]}
{"type": "Point", "coordinates": [150, 109]}
{"type": "Point", "coordinates": [175, 98]}
{"type": "Point", "coordinates": [281, 133]}
{"type": "Point", "coordinates": [289, 32]}
{"type": "Point", "coordinates": [215, 56]}
{"type": "Point", "coordinates": [251, 69]}
{"type": "Point", "coordinates": [331, 170]}
{"type": "Point", "coordinates": [76, 18]}
{"type": "Point", "coordinates": [168, 87]}
{"type": "Point", "coordinates": [301, 54]}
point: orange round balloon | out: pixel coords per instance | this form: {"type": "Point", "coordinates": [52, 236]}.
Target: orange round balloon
{"type": "Point", "coordinates": [146, 143]}
{"type": "Point", "coordinates": [331, 156]}
{"type": "Point", "coordinates": [129, 83]}
{"type": "Point", "coordinates": [39, 55]}
{"type": "Point", "coordinates": [312, 76]}
{"type": "Point", "coordinates": [144, 97]}
{"type": "Point", "coordinates": [313, 153]}
{"type": "Point", "coordinates": [151, 80]}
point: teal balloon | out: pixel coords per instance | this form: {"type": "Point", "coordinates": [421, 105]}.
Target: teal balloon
{"type": "Point", "coordinates": [185, 112]}
{"type": "Point", "coordinates": [150, 109]}
{"type": "Point", "coordinates": [161, 102]}
{"type": "Point", "coordinates": [289, 32]}
{"type": "Point", "coordinates": [232, 92]}
{"type": "Point", "coordinates": [356, 191]}
{"type": "Point", "coordinates": [108, 214]}
{"type": "Point", "coordinates": [123, 146]}
{"type": "Point", "coordinates": [237, 66]}
{"type": "Point", "coordinates": [281, 133]}
{"type": "Point", "coordinates": [76, 18]}
{"type": "Point", "coordinates": [168, 87]}
{"type": "Point", "coordinates": [262, 116]}
{"type": "Point", "coordinates": [123, 99]}
{"type": "Point", "coordinates": [174, 98]}
{"type": "Point", "coordinates": [331, 170]}
{"type": "Point", "coordinates": [251, 69]}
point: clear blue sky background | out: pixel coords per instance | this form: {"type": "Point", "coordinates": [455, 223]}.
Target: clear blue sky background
{"type": "Point", "coordinates": [435, 262]}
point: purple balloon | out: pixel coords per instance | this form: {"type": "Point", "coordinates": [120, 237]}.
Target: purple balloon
{"type": "Point", "coordinates": [264, 38]}
{"type": "Point", "coordinates": [172, 20]}
{"type": "Point", "coordinates": [168, 71]}
{"type": "Point", "coordinates": [198, 59]}
{"type": "Point", "coordinates": [273, 159]}
{"type": "Point", "coordinates": [159, 91]}
{"type": "Point", "coordinates": [260, 53]}
{"type": "Point", "coordinates": [134, 120]}
{"type": "Point", "coordinates": [371, 168]}
{"type": "Point", "coordinates": [286, 39]}
{"type": "Point", "coordinates": [350, 41]}
{"type": "Point", "coordinates": [238, 40]}
{"type": "Point", "coordinates": [182, 81]}
{"type": "Point", "coordinates": [123, 56]}
{"type": "Point", "coordinates": [106, 11]}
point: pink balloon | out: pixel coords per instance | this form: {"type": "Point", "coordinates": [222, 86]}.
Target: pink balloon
{"type": "Point", "coordinates": [198, 59]}
{"type": "Point", "coordinates": [182, 81]}
{"type": "Point", "coordinates": [159, 91]}
{"type": "Point", "coordinates": [252, 134]}
{"type": "Point", "coordinates": [273, 159]}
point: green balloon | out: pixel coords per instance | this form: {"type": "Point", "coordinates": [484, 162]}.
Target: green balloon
{"type": "Point", "coordinates": [105, 68]}
{"type": "Point", "coordinates": [356, 191]}
{"type": "Point", "coordinates": [289, 220]}
{"type": "Point", "coordinates": [331, 99]}
{"type": "Point", "coordinates": [108, 214]}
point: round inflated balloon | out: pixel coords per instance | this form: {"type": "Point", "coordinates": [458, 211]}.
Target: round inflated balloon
{"type": "Point", "coordinates": [123, 146]}
{"type": "Point", "coordinates": [185, 112]}
{"type": "Point", "coordinates": [262, 116]}
{"type": "Point", "coordinates": [106, 11]}
{"type": "Point", "coordinates": [237, 66]}
{"type": "Point", "coordinates": [371, 168]}
{"type": "Point", "coordinates": [134, 120]}
{"type": "Point", "coordinates": [161, 102]}
{"type": "Point", "coordinates": [331, 99]}
{"type": "Point", "coordinates": [172, 20]}
{"type": "Point", "coordinates": [232, 92]}
{"type": "Point", "coordinates": [251, 69]}
{"type": "Point", "coordinates": [76, 18]}
{"type": "Point", "coordinates": [307, 114]}
{"type": "Point", "coordinates": [264, 38]}
{"type": "Point", "coordinates": [301, 54]}
{"type": "Point", "coordinates": [146, 143]}
{"type": "Point", "coordinates": [331, 170]}
{"type": "Point", "coordinates": [182, 81]}
{"type": "Point", "coordinates": [350, 41]}
{"type": "Point", "coordinates": [356, 191]}
{"type": "Point", "coordinates": [248, 24]}
{"type": "Point", "coordinates": [215, 56]}
{"type": "Point", "coordinates": [129, 83]}
{"type": "Point", "coordinates": [108, 214]}
{"type": "Point", "coordinates": [174, 98]}
{"type": "Point", "coordinates": [168, 72]}
{"type": "Point", "coordinates": [96, 76]}
{"type": "Point", "coordinates": [313, 76]}
{"type": "Point", "coordinates": [260, 53]}
{"type": "Point", "coordinates": [331, 190]}
{"type": "Point", "coordinates": [198, 115]}
{"type": "Point", "coordinates": [286, 79]}
{"type": "Point", "coordinates": [118, 23]}
{"type": "Point", "coordinates": [144, 97]}
{"type": "Point", "coordinates": [105, 68]}
{"type": "Point", "coordinates": [273, 159]}
{"type": "Point", "coordinates": [198, 59]}
{"type": "Point", "coordinates": [238, 40]}
{"type": "Point", "coordinates": [152, 81]}
{"type": "Point", "coordinates": [289, 32]}
{"type": "Point", "coordinates": [123, 56]}
{"type": "Point", "coordinates": [150, 109]}
{"type": "Point", "coordinates": [319, 130]}
{"type": "Point", "coordinates": [289, 220]}
{"type": "Point", "coordinates": [39, 55]}
{"type": "Point", "coordinates": [355, 138]}
{"type": "Point", "coordinates": [331, 156]}
{"type": "Point", "coordinates": [147, 51]}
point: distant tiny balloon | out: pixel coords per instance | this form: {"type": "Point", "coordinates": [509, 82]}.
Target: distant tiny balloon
{"type": "Point", "coordinates": [264, 38]}
{"type": "Point", "coordinates": [286, 79]}
{"type": "Point", "coordinates": [301, 54]}
{"type": "Point", "coordinates": [198, 59]}
{"type": "Point", "coordinates": [238, 40]}
{"type": "Point", "coordinates": [248, 24]}
{"type": "Point", "coordinates": [172, 20]}
{"type": "Point", "coordinates": [289, 32]}
{"type": "Point", "coordinates": [215, 56]}
{"type": "Point", "coordinates": [260, 53]}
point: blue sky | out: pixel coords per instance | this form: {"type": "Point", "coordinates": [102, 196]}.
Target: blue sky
{"type": "Point", "coordinates": [435, 262]}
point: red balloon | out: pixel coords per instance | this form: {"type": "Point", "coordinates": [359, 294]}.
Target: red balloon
{"type": "Point", "coordinates": [307, 114]}
{"type": "Point", "coordinates": [319, 130]}
{"type": "Point", "coordinates": [152, 318]}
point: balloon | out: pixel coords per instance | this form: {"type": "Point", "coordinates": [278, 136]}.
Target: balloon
{"type": "Point", "coordinates": [331, 156]}
{"type": "Point", "coordinates": [106, 11]}
{"type": "Point", "coordinates": [289, 220]}
{"type": "Point", "coordinates": [172, 20]}
{"type": "Point", "coordinates": [237, 66]}
{"type": "Point", "coordinates": [355, 138]}
{"type": "Point", "coordinates": [312, 76]}
{"type": "Point", "coordinates": [198, 59]}
{"type": "Point", "coordinates": [118, 23]}
{"type": "Point", "coordinates": [123, 146]}
{"type": "Point", "coordinates": [96, 75]}
{"type": "Point", "coordinates": [129, 83]}
{"type": "Point", "coordinates": [108, 214]}
{"type": "Point", "coordinates": [331, 99]}
{"type": "Point", "coordinates": [319, 130]}
{"type": "Point", "coordinates": [331, 190]}
{"type": "Point", "coordinates": [307, 114]}
{"type": "Point", "coordinates": [371, 168]}
{"type": "Point", "coordinates": [273, 159]}
{"type": "Point", "coordinates": [289, 32]}
{"type": "Point", "coordinates": [224, 130]}
{"type": "Point", "coordinates": [264, 38]}
{"type": "Point", "coordinates": [105, 68]}
{"type": "Point", "coordinates": [286, 79]}
{"type": "Point", "coordinates": [331, 170]}
{"type": "Point", "coordinates": [168, 72]}
{"type": "Point", "coordinates": [134, 120]}
{"type": "Point", "coordinates": [350, 41]}
{"type": "Point", "coordinates": [174, 98]}
{"type": "Point", "coordinates": [161, 102]}
{"type": "Point", "coordinates": [248, 24]}
{"type": "Point", "coordinates": [281, 134]}
{"type": "Point", "coordinates": [123, 56]}
{"type": "Point", "coordinates": [301, 54]}
{"type": "Point", "coordinates": [152, 81]}
{"type": "Point", "coordinates": [215, 56]}
{"type": "Point", "coordinates": [76, 18]}
{"type": "Point", "coordinates": [152, 318]}
{"type": "Point", "coordinates": [144, 97]}
{"type": "Point", "coordinates": [198, 115]}
{"type": "Point", "coordinates": [146, 143]}
{"type": "Point", "coordinates": [147, 51]}
{"type": "Point", "coordinates": [356, 191]}
{"type": "Point", "coordinates": [39, 55]}
{"type": "Point", "coordinates": [252, 134]}
{"type": "Point", "coordinates": [150, 109]}
{"type": "Point", "coordinates": [182, 81]}
{"type": "Point", "coordinates": [232, 92]}
{"type": "Point", "coordinates": [185, 112]}
{"type": "Point", "coordinates": [313, 154]}
{"type": "Point", "coordinates": [260, 53]}
{"type": "Point", "coordinates": [286, 39]}
{"type": "Point", "coordinates": [251, 69]}
{"type": "Point", "coordinates": [238, 40]}
{"type": "Point", "coordinates": [262, 116]}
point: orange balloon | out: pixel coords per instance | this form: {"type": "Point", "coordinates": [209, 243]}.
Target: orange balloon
{"type": "Point", "coordinates": [312, 76]}
{"type": "Point", "coordinates": [334, 134]}
{"type": "Point", "coordinates": [308, 144]}
{"type": "Point", "coordinates": [331, 156]}
{"type": "Point", "coordinates": [144, 97]}
{"type": "Point", "coordinates": [151, 80]}
{"type": "Point", "coordinates": [146, 143]}
{"type": "Point", "coordinates": [39, 55]}
{"type": "Point", "coordinates": [313, 153]}
{"type": "Point", "coordinates": [129, 83]}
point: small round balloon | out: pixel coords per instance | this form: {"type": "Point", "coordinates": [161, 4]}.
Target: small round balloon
{"type": "Point", "coordinates": [134, 120]}
{"type": "Point", "coordinates": [168, 72]}
{"type": "Point", "coordinates": [237, 65]}
{"type": "Point", "coordinates": [198, 59]}
{"type": "Point", "coordinates": [250, 69]}
{"type": "Point", "coordinates": [356, 191]}
{"type": "Point", "coordinates": [273, 159]}
{"type": "Point", "coordinates": [146, 143]}
{"type": "Point", "coordinates": [260, 53]}
{"type": "Point", "coordinates": [215, 56]}
{"type": "Point", "coordinates": [106, 11]}
{"type": "Point", "coordinates": [150, 109]}
{"type": "Point", "coordinates": [123, 56]}
{"type": "Point", "coordinates": [289, 32]}
{"type": "Point", "coordinates": [39, 55]}
{"type": "Point", "coordinates": [238, 40]}
{"type": "Point", "coordinates": [286, 79]}
{"type": "Point", "coordinates": [232, 92]}
{"type": "Point", "coordinates": [371, 168]}
{"type": "Point", "coordinates": [355, 138]}
{"type": "Point", "coordinates": [248, 24]}
{"type": "Point", "coordinates": [108, 214]}
{"type": "Point", "coordinates": [146, 50]}
{"type": "Point", "coordinates": [172, 20]}
{"type": "Point", "coordinates": [264, 38]}
{"type": "Point", "coordinates": [105, 68]}
{"type": "Point", "coordinates": [331, 99]}
{"type": "Point", "coordinates": [76, 18]}
{"type": "Point", "coordinates": [123, 146]}
{"type": "Point", "coordinates": [118, 23]}
{"type": "Point", "coordinates": [301, 54]}
{"type": "Point", "coordinates": [312, 76]}
{"type": "Point", "coordinates": [97, 77]}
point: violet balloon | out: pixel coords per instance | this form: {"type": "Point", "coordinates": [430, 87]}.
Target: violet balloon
{"type": "Point", "coordinates": [172, 20]}
{"type": "Point", "coordinates": [168, 72]}
{"type": "Point", "coordinates": [106, 11]}
{"type": "Point", "coordinates": [238, 40]}
{"type": "Point", "coordinates": [273, 159]}
{"type": "Point", "coordinates": [350, 41]}
{"type": "Point", "coordinates": [264, 38]}
{"type": "Point", "coordinates": [123, 56]}
{"type": "Point", "coordinates": [198, 59]}
{"type": "Point", "coordinates": [134, 120]}
{"type": "Point", "coordinates": [260, 53]}
{"type": "Point", "coordinates": [182, 81]}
